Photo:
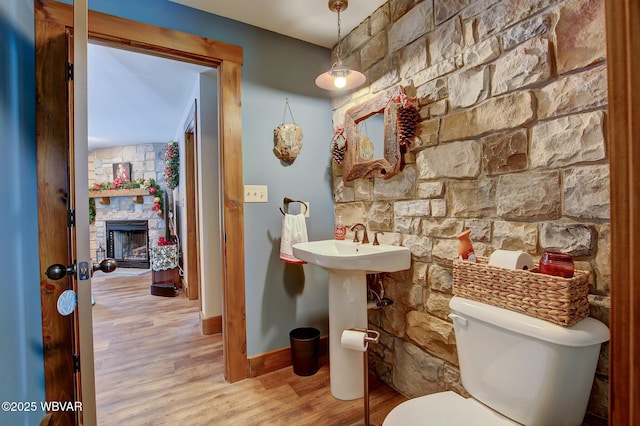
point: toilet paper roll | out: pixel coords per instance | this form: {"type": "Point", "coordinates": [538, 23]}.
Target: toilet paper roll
{"type": "Point", "coordinates": [354, 340]}
{"type": "Point", "coordinates": [511, 259]}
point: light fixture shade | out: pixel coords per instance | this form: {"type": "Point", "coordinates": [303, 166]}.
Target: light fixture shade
{"type": "Point", "coordinates": [337, 79]}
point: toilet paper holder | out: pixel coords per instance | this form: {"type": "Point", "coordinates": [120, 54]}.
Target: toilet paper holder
{"type": "Point", "coordinates": [371, 336]}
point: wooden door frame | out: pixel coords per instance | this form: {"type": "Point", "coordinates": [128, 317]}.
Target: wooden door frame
{"type": "Point", "coordinates": [623, 69]}
{"type": "Point", "coordinates": [191, 199]}
{"type": "Point", "coordinates": [228, 60]}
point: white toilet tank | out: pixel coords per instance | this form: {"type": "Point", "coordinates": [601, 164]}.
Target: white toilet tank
{"type": "Point", "coordinates": [530, 370]}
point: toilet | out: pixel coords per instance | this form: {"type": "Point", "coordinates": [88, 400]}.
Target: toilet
{"type": "Point", "coordinates": [517, 369]}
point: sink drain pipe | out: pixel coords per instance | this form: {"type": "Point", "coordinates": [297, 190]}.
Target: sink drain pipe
{"type": "Point", "coordinates": [358, 339]}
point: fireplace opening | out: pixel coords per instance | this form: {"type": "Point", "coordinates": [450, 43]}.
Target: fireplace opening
{"type": "Point", "coordinates": [128, 243]}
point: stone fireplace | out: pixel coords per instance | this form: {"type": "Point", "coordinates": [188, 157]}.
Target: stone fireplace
{"type": "Point", "coordinates": [147, 163]}
{"type": "Point", "coordinates": [128, 242]}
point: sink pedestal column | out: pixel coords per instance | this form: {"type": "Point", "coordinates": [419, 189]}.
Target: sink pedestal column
{"type": "Point", "coordinates": [347, 309]}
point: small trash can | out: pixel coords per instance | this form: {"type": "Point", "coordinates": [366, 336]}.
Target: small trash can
{"type": "Point", "coordinates": [305, 348]}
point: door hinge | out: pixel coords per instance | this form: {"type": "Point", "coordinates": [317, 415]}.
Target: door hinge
{"type": "Point", "coordinates": [72, 218]}
{"type": "Point", "coordinates": [69, 71]}
{"type": "Point", "coordinates": [76, 363]}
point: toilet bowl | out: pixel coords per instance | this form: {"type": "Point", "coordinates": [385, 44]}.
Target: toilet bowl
{"type": "Point", "coordinates": [517, 369]}
{"type": "Point", "coordinates": [444, 408]}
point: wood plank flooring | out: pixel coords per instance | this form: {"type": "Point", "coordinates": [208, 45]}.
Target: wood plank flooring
{"type": "Point", "coordinates": [153, 367]}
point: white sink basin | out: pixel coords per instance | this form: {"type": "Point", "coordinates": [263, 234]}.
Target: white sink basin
{"type": "Point", "coordinates": [348, 263]}
{"type": "Point", "coordinates": [350, 256]}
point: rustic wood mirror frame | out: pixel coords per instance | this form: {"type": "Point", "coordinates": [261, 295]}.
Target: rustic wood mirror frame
{"type": "Point", "coordinates": [385, 167]}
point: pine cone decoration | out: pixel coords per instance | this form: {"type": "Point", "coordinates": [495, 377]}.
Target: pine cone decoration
{"type": "Point", "coordinates": [408, 117]}
{"type": "Point", "coordinates": [338, 145]}
{"type": "Point", "coordinates": [338, 153]}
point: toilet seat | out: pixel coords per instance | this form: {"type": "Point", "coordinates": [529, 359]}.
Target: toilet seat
{"type": "Point", "coordinates": [444, 409]}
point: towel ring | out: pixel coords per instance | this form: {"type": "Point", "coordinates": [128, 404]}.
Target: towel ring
{"type": "Point", "coordinates": [288, 201]}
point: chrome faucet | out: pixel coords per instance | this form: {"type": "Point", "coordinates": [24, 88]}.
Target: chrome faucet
{"type": "Point", "coordinates": [354, 228]}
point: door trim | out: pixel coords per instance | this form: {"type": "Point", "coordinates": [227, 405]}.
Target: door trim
{"type": "Point", "coordinates": [192, 244]}
{"type": "Point", "coordinates": [623, 66]}
{"type": "Point", "coordinates": [77, 113]}
{"type": "Point", "coordinates": [227, 59]}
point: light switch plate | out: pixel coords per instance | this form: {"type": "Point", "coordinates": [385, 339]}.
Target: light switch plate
{"type": "Point", "coordinates": [255, 194]}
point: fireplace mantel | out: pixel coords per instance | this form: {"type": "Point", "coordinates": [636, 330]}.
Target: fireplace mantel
{"type": "Point", "coordinates": [106, 194]}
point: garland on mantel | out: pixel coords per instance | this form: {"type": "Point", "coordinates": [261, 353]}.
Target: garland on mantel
{"type": "Point", "coordinates": [117, 184]}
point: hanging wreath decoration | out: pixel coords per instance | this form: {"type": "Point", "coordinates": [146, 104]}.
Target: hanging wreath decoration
{"type": "Point", "coordinates": [407, 119]}
{"type": "Point", "coordinates": [172, 165]}
{"type": "Point", "coordinates": [339, 144]}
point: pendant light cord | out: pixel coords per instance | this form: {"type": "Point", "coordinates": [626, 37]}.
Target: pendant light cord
{"type": "Point", "coordinates": [339, 49]}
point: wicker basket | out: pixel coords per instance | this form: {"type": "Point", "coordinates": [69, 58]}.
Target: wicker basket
{"type": "Point", "coordinates": [558, 300]}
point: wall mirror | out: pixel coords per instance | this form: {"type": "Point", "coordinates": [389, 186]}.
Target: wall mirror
{"type": "Point", "coordinates": [371, 142]}
{"type": "Point", "coordinates": [373, 148]}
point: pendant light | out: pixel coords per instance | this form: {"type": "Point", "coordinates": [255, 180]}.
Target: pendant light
{"type": "Point", "coordinates": [339, 77]}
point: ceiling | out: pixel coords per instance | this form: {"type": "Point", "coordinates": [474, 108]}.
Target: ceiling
{"type": "Point", "coordinates": [307, 20]}
{"type": "Point", "coordinates": [135, 98]}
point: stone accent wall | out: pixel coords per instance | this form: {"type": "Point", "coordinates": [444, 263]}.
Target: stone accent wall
{"type": "Point", "coordinates": [147, 162]}
{"type": "Point", "coordinates": [512, 145]}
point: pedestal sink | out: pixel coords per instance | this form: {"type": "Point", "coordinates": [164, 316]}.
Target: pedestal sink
{"type": "Point", "coordinates": [347, 264]}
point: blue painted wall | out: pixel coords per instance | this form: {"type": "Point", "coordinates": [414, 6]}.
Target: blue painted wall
{"type": "Point", "coordinates": [279, 297]}
{"type": "Point", "coordinates": [282, 296]}
{"type": "Point", "coordinates": [21, 375]}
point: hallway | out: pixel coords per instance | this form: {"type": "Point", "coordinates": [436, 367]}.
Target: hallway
{"type": "Point", "coordinates": [153, 367]}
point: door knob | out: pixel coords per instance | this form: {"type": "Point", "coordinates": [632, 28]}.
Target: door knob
{"type": "Point", "coordinates": [107, 265]}
{"type": "Point", "coordinates": [58, 271]}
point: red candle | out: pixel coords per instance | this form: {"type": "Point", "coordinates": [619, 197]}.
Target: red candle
{"type": "Point", "coordinates": [557, 264]}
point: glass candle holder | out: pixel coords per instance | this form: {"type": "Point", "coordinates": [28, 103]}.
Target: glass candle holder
{"type": "Point", "coordinates": [557, 264]}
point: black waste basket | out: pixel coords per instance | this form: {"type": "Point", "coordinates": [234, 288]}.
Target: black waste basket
{"type": "Point", "coordinates": [305, 348]}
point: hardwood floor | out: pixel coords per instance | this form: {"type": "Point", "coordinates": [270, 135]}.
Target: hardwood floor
{"type": "Point", "coordinates": [153, 367]}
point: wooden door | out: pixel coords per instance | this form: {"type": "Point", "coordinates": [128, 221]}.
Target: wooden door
{"type": "Point", "coordinates": [63, 221]}
{"type": "Point", "coordinates": [54, 217]}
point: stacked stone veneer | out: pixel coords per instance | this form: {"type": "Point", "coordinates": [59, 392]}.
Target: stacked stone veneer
{"type": "Point", "coordinates": [147, 162]}
{"type": "Point", "coordinates": [512, 145]}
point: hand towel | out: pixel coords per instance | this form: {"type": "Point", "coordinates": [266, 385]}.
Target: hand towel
{"type": "Point", "coordinates": [294, 230]}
